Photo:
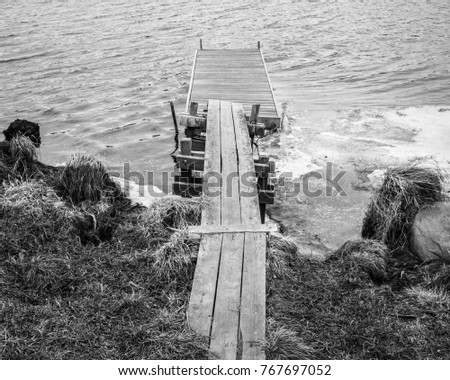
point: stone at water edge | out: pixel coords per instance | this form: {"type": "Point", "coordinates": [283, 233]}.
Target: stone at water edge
{"type": "Point", "coordinates": [26, 128]}
{"type": "Point", "coordinates": [144, 195]}
{"type": "Point", "coordinates": [430, 233]}
{"type": "Point", "coordinates": [376, 178]}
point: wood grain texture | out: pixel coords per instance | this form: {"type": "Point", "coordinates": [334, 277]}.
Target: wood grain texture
{"type": "Point", "coordinates": [201, 303]}
{"type": "Point", "coordinates": [215, 229]}
{"type": "Point", "coordinates": [246, 165]}
{"type": "Point", "coordinates": [231, 213]}
{"type": "Point", "coordinates": [212, 213]}
{"type": "Point", "coordinates": [225, 327]}
{"type": "Point", "coordinates": [228, 294]}
{"type": "Point", "coordinates": [235, 75]}
{"type": "Point", "coordinates": [253, 302]}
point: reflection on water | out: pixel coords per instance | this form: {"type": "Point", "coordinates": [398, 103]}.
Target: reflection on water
{"type": "Point", "coordinates": [98, 77]}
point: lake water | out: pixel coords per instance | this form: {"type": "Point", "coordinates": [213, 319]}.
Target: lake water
{"type": "Point", "coordinates": [98, 76]}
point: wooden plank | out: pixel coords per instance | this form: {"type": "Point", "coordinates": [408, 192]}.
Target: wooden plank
{"type": "Point", "coordinates": [268, 79]}
{"type": "Point", "coordinates": [253, 302]}
{"type": "Point", "coordinates": [218, 76]}
{"type": "Point", "coordinates": [249, 203]}
{"type": "Point", "coordinates": [188, 101]}
{"type": "Point", "coordinates": [230, 174]}
{"type": "Point", "coordinates": [232, 86]}
{"type": "Point", "coordinates": [212, 214]}
{"type": "Point", "coordinates": [215, 229]}
{"type": "Point", "coordinates": [258, 96]}
{"type": "Point", "coordinates": [201, 303]}
{"type": "Point", "coordinates": [248, 101]}
{"type": "Point", "coordinates": [265, 113]}
{"type": "Point", "coordinates": [225, 326]}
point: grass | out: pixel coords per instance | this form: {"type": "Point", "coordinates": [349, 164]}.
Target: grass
{"type": "Point", "coordinates": [86, 276]}
{"type": "Point", "coordinates": [83, 275]}
{"type": "Point", "coordinates": [85, 178]}
{"type": "Point", "coordinates": [360, 304]}
{"type": "Point", "coordinates": [394, 205]}
{"type": "Point", "coordinates": [65, 298]}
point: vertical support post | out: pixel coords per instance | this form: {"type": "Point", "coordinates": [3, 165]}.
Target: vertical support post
{"type": "Point", "coordinates": [174, 116]}
{"type": "Point", "coordinates": [175, 124]}
{"type": "Point", "coordinates": [262, 211]}
{"type": "Point", "coordinates": [255, 112]}
{"type": "Point", "coordinates": [193, 109]}
{"type": "Point", "coordinates": [201, 44]}
{"type": "Point", "coordinates": [259, 45]}
{"type": "Point", "coordinates": [272, 166]}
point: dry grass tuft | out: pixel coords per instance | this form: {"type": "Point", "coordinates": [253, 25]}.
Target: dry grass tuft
{"type": "Point", "coordinates": [32, 214]}
{"type": "Point", "coordinates": [395, 204]}
{"type": "Point", "coordinates": [427, 297]}
{"type": "Point", "coordinates": [173, 259]}
{"type": "Point", "coordinates": [24, 156]}
{"type": "Point", "coordinates": [368, 256]}
{"type": "Point", "coordinates": [85, 179]}
{"type": "Point", "coordinates": [284, 344]}
{"type": "Point", "coordinates": [282, 254]}
{"type": "Point", "coordinates": [153, 226]}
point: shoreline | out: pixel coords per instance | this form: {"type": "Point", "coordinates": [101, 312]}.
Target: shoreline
{"type": "Point", "coordinates": [359, 142]}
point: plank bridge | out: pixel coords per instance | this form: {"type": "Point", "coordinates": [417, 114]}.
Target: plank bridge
{"type": "Point", "coordinates": [216, 158]}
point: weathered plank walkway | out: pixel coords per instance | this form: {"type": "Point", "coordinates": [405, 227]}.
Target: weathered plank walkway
{"type": "Point", "coordinates": [228, 294]}
{"type": "Point", "coordinates": [236, 75]}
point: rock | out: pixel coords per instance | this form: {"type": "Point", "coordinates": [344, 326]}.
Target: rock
{"type": "Point", "coordinates": [143, 195]}
{"type": "Point", "coordinates": [26, 128]}
{"type": "Point", "coordinates": [430, 233]}
{"type": "Point", "coordinates": [376, 178]}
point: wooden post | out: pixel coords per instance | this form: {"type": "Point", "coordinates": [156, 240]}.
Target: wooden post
{"type": "Point", "coordinates": [201, 44]}
{"type": "Point", "coordinates": [272, 166]}
{"type": "Point", "coordinates": [263, 158]}
{"type": "Point", "coordinates": [193, 109]}
{"type": "Point", "coordinates": [174, 116]}
{"type": "Point", "coordinates": [262, 211]}
{"type": "Point", "coordinates": [175, 124]}
{"type": "Point", "coordinates": [255, 112]}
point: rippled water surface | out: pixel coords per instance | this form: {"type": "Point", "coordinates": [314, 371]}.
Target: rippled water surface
{"type": "Point", "coordinates": [97, 77]}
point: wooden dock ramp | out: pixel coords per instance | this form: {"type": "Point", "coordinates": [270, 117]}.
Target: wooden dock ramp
{"type": "Point", "coordinates": [229, 294]}
{"type": "Point", "coordinates": [236, 75]}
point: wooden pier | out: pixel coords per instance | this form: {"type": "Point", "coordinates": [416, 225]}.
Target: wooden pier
{"type": "Point", "coordinates": [228, 294]}
{"type": "Point", "coordinates": [236, 75]}
{"type": "Point", "coordinates": [230, 102]}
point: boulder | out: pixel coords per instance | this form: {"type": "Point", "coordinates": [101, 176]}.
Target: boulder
{"type": "Point", "coordinates": [430, 233]}
{"type": "Point", "coordinates": [143, 195]}
{"type": "Point", "coordinates": [376, 178]}
{"type": "Point", "coordinates": [26, 128]}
